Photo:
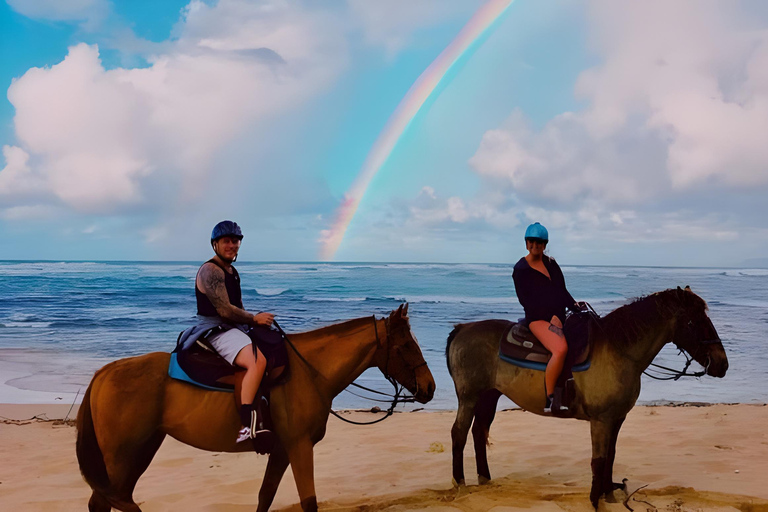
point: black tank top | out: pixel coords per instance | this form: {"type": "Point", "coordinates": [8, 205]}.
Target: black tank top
{"type": "Point", "coordinates": [231, 282]}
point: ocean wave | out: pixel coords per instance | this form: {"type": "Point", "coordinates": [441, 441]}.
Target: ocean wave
{"type": "Point", "coordinates": [273, 292]}
{"type": "Point", "coordinates": [26, 325]}
{"type": "Point", "coordinates": [745, 272]}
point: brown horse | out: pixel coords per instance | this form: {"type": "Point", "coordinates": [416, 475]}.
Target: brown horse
{"type": "Point", "coordinates": [132, 404]}
{"type": "Point", "coordinates": [623, 346]}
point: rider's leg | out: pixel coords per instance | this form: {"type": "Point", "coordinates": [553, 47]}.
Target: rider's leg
{"type": "Point", "coordinates": [553, 340]}
{"type": "Point", "coordinates": [254, 365]}
{"type": "Point", "coordinates": [254, 371]}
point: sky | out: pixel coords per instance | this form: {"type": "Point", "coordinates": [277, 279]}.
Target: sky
{"type": "Point", "coordinates": [636, 132]}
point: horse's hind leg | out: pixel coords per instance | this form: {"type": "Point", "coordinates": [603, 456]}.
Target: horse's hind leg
{"type": "Point", "coordinates": [125, 468]}
{"type": "Point", "coordinates": [459, 433]}
{"type": "Point", "coordinates": [98, 503]}
{"type": "Point", "coordinates": [485, 412]}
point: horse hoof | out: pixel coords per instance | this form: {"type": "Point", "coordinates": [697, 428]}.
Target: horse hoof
{"type": "Point", "coordinates": [456, 484]}
{"type": "Point", "coordinates": [482, 480]}
{"type": "Point", "coordinates": [622, 485]}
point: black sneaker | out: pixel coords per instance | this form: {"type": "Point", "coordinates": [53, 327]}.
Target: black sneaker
{"type": "Point", "coordinates": [548, 405]}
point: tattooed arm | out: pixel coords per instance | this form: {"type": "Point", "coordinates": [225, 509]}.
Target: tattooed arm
{"type": "Point", "coordinates": [210, 281]}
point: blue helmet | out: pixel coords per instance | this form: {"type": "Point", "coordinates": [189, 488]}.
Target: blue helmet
{"type": "Point", "coordinates": [226, 228]}
{"type": "Point", "coordinates": [537, 231]}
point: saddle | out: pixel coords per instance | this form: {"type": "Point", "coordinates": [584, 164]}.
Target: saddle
{"type": "Point", "coordinates": [520, 347]}
{"type": "Point", "coordinates": [202, 366]}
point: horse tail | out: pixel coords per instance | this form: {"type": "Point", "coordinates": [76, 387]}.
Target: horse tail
{"type": "Point", "coordinates": [89, 455]}
{"type": "Point", "coordinates": [451, 336]}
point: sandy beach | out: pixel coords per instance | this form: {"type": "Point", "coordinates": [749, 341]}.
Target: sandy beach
{"type": "Point", "coordinates": [687, 457]}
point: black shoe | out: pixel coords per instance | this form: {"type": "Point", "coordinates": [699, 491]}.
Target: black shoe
{"type": "Point", "coordinates": [548, 404]}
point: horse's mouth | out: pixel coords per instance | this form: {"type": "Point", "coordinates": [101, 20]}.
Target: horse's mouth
{"type": "Point", "coordinates": [424, 394]}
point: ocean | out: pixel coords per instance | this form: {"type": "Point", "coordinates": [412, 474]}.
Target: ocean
{"type": "Point", "coordinates": [61, 321]}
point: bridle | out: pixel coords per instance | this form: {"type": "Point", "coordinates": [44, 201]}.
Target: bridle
{"type": "Point", "coordinates": [665, 373]}
{"type": "Point", "coordinates": [397, 397]}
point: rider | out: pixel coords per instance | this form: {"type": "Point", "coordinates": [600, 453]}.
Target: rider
{"type": "Point", "coordinates": [217, 288]}
{"type": "Point", "coordinates": [540, 288]}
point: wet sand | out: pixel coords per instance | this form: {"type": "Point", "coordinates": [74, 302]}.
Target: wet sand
{"type": "Point", "coordinates": [712, 458]}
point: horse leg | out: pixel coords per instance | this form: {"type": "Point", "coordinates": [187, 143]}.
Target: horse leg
{"type": "Point", "coordinates": [125, 468]}
{"type": "Point", "coordinates": [98, 503]}
{"type": "Point", "coordinates": [604, 435]}
{"type": "Point", "coordinates": [278, 463]}
{"type": "Point", "coordinates": [485, 412]}
{"type": "Point", "coordinates": [459, 433]}
{"type": "Point", "coordinates": [302, 463]}
{"type": "Point", "coordinates": [608, 484]}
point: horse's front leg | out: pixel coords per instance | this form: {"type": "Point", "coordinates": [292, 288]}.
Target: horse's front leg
{"type": "Point", "coordinates": [278, 462]}
{"type": "Point", "coordinates": [604, 435]}
{"type": "Point", "coordinates": [459, 433]}
{"type": "Point", "coordinates": [301, 457]}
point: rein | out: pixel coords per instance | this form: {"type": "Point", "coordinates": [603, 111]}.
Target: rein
{"type": "Point", "coordinates": [396, 398]}
{"type": "Point", "coordinates": [664, 372]}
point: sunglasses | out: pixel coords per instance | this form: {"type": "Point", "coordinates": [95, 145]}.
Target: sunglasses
{"type": "Point", "coordinates": [537, 241]}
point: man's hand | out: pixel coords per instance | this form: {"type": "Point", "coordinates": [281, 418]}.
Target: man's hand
{"type": "Point", "coordinates": [263, 319]}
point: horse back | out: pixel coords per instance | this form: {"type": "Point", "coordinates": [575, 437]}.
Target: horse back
{"type": "Point", "coordinates": [472, 350]}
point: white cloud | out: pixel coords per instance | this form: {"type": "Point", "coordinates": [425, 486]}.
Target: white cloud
{"type": "Point", "coordinates": [91, 11]}
{"type": "Point", "coordinates": [100, 139]}
{"type": "Point", "coordinates": [392, 24]}
{"type": "Point", "coordinates": [18, 182]}
{"type": "Point", "coordinates": [679, 102]}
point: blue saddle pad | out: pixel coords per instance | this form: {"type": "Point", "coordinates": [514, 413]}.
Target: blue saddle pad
{"type": "Point", "coordinates": [176, 372]}
{"type": "Point", "coordinates": [533, 365]}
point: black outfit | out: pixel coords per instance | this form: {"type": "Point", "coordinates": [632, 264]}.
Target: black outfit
{"type": "Point", "coordinates": [540, 297]}
{"type": "Point", "coordinates": [231, 282]}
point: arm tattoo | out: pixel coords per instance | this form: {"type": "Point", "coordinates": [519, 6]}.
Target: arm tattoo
{"type": "Point", "coordinates": [212, 278]}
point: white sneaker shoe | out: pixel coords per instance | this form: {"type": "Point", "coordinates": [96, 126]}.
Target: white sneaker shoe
{"type": "Point", "coordinates": [244, 434]}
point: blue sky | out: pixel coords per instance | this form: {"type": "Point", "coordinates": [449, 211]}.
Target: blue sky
{"type": "Point", "coordinates": [635, 133]}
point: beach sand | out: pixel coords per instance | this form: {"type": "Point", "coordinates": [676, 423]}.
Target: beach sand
{"type": "Point", "coordinates": [711, 458]}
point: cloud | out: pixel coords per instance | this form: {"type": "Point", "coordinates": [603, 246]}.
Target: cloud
{"type": "Point", "coordinates": [106, 140]}
{"type": "Point", "coordinates": [392, 24]}
{"type": "Point", "coordinates": [88, 11]}
{"type": "Point", "coordinates": [679, 103]}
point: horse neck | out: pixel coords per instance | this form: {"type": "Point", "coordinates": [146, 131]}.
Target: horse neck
{"type": "Point", "coordinates": [638, 339]}
{"type": "Point", "coordinates": [341, 352]}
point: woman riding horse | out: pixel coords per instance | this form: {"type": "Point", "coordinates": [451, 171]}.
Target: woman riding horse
{"type": "Point", "coordinates": [540, 288]}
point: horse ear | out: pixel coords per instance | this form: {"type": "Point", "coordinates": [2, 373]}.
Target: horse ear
{"type": "Point", "coordinates": [687, 288]}
{"type": "Point", "coordinates": [399, 311]}
{"type": "Point", "coordinates": [405, 310]}
{"type": "Point", "coordinates": [679, 289]}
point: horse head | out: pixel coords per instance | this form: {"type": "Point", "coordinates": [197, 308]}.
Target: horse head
{"type": "Point", "coordinates": [401, 357]}
{"type": "Point", "coordinates": [695, 333]}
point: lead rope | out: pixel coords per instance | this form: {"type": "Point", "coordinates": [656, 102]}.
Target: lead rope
{"type": "Point", "coordinates": [396, 397]}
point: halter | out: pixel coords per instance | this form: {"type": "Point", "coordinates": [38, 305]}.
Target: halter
{"type": "Point", "coordinates": [396, 398]}
{"type": "Point", "coordinates": [666, 373]}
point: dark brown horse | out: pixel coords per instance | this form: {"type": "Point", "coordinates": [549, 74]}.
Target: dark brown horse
{"type": "Point", "coordinates": [132, 404]}
{"type": "Point", "coordinates": [624, 345]}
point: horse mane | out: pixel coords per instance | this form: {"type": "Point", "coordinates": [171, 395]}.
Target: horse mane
{"type": "Point", "coordinates": [628, 323]}
{"type": "Point", "coordinates": [347, 327]}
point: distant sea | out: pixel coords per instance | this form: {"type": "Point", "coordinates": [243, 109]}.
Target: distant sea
{"type": "Point", "coordinates": [60, 321]}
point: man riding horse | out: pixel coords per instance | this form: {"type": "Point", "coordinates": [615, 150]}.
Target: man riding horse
{"type": "Point", "coordinates": [226, 323]}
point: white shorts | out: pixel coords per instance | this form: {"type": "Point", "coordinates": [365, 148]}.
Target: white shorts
{"type": "Point", "coordinates": [228, 344]}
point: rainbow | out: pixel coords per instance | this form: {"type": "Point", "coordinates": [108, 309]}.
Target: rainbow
{"type": "Point", "coordinates": [398, 122]}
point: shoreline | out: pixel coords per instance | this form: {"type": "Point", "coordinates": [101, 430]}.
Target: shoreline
{"type": "Point", "coordinates": [13, 413]}
{"type": "Point", "coordinates": [707, 458]}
